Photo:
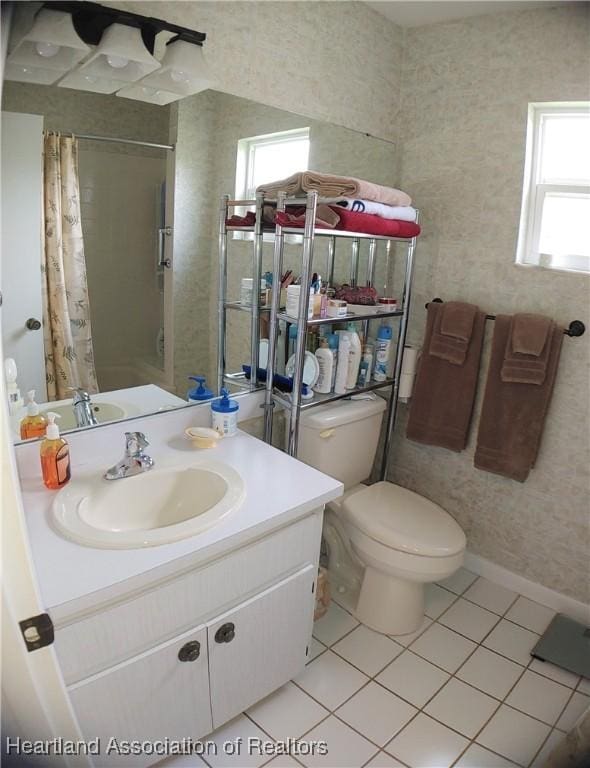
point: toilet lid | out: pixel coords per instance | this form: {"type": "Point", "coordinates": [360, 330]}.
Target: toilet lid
{"type": "Point", "coordinates": [404, 520]}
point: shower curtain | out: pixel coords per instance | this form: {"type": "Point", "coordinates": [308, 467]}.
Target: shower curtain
{"type": "Point", "coordinates": [69, 356]}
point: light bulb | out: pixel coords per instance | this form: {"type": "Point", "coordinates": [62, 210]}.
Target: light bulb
{"type": "Point", "coordinates": [178, 76]}
{"type": "Point", "coordinates": [117, 62]}
{"type": "Point", "coordinates": [47, 49]}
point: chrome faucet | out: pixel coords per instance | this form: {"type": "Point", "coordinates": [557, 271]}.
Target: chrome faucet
{"type": "Point", "coordinates": [135, 461]}
{"type": "Point", "coordinates": [83, 408]}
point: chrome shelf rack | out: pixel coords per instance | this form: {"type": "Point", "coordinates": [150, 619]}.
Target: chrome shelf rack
{"type": "Point", "coordinates": [293, 403]}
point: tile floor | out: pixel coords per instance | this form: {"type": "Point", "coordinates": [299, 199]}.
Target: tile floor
{"type": "Point", "coordinates": [463, 691]}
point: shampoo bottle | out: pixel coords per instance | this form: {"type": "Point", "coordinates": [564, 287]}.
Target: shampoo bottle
{"type": "Point", "coordinates": [34, 424]}
{"type": "Point", "coordinates": [342, 367]}
{"type": "Point", "coordinates": [326, 364]}
{"type": "Point", "coordinates": [333, 344]}
{"type": "Point", "coordinates": [354, 357]}
{"type": "Point", "coordinates": [55, 456]}
{"type": "Point", "coordinates": [382, 350]}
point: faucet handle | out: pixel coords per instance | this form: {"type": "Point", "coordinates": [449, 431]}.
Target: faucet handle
{"type": "Point", "coordinates": [81, 395]}
{"type": "Point", "coordinates": [135, 442]}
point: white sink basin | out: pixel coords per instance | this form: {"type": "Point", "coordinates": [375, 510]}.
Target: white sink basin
{"type": "Point", "coordinates": [103, 411]}
{"type": "Point", "coordinates": [155, 507]}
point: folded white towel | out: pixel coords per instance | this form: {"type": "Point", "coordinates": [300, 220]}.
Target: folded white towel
{"type": "Point", "coordinates": [398, 212]}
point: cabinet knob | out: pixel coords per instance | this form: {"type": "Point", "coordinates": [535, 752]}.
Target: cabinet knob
{"type": "Point", "coordinates": [32, 324]}
{"type": "Point", "coordinates": [225, 633]}
{"type": "Point", "coordinates": [190, 651]}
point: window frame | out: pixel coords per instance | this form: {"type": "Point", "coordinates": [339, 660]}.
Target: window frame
{"type": "Point", "coordinates": [535, 190]}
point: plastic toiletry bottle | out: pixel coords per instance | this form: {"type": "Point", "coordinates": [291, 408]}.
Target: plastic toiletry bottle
{"type": "Point", "coordinates": [354, 357]}
{"type": "Point", "coordinates": [342, 367]}
{"type": "Point", "coordinates": [333, 344]}
{"type": "Point", "coordinates": [326, 365]}
{"type": "Point", "coordinates": [200, 392]}
{"type": "Point", "coordinates": [224, 414]}
{"type": "Point", "coordinates": [15, 401]}
{"type": "Point", "coordinates": [55, 456]}
{"type": "Point", "coordinates": [34, 424]}
{"type": "Point", "coordinates": [382, 350]}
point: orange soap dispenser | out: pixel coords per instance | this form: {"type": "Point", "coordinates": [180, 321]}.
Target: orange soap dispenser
{"type": "Point", "coordinates": [34, 423]}
{"type": "Point", "coordinates": [55, 456]}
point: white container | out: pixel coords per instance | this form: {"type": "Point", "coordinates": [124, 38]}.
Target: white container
{"type": "Point", "coordinates": [292, 308]}
{"type": "Point", "coordinates": [246, 291]}
{"type": "Point", "coordinates": [325, 360]}
{"type": "Point", "coordinates": [354, 358]}
{"type": "Point", "coordinates": [224, 415]}
{"type": "Point", "coordinates": [337, 308]}
{"type": "Point", "coordinates": [342, 367]}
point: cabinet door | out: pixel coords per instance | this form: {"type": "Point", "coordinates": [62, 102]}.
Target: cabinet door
{"type": "Point", "coordinates": [260, 645]}
{"type": "Point", "coordinates": [153, 696]}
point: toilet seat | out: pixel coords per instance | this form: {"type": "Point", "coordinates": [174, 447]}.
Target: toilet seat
{"type": "Point", "coordinates": [404, 521]}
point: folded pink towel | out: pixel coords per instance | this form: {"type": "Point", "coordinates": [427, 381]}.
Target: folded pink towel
{"type": "Point", "coordinates": [328, 185]}
{"type": "Point", "coordinates": [532, 333]}
{"type": "Point", "coordinates": [452, 331]}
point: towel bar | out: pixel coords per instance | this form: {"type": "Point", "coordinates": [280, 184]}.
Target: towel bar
{"type": "Point", "coordinates": [575, 328]}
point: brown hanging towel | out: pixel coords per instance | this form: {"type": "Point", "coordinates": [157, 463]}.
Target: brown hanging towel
{"type": "Point", "coordinates": [442, 402]}
{"type": "Point", "coordinates": [521, 375]}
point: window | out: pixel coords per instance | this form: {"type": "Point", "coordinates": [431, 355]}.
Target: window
{"type": "Point", "coordinates": [268, 158]}
{"type": "Point", "coordinates": [555, 217]}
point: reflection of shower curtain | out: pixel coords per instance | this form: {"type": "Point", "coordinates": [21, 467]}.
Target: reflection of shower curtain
{"type": "Point", "coordinates": [69, 357]}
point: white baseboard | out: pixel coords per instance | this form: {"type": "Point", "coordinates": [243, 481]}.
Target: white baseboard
{"type": "Point", "coordinates": [537, 592]}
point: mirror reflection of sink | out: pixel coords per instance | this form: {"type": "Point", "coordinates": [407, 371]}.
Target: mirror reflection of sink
{"type": "Point", "coordinates": [103, 411]}
{"type": "Point", "coordinates": [157, 507]}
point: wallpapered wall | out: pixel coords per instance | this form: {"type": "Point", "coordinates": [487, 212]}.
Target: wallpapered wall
{"type": "Point", "coordinates": [466, 86]}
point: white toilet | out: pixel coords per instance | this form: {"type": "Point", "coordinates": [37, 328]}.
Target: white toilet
{"type": "Point", "coordinates": [382, 539]}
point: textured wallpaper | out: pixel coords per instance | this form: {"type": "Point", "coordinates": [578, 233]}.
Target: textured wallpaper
{"type": "Point", "coordinates": [466, 86]}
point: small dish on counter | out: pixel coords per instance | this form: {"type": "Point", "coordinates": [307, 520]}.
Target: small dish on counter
{"type": "Point", "coordinates": [202, 437]}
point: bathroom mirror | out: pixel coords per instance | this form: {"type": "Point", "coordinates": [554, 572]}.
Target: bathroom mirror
{"type": "Point", "coordinates": [136, 314]}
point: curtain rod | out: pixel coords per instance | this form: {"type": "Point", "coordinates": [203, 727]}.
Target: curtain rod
{"type": "Point", "coordinates": [171, 147]}
{"type": "Point", "coordinates": [575, 328]}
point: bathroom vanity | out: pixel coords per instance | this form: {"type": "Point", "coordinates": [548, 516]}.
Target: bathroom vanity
{"type": "Point", "coordinates": [172, 641]}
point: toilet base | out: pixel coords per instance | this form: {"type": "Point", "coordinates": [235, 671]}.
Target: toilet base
{"type": "Point", "coordinates": [390, 605]}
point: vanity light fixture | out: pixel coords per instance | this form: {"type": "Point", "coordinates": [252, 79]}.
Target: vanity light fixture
{"type": "Point", "coordinates": [183, 73]}
{"type": "Point", "coordinates": [50, 49]}
{"type": "Point", "coordinates": [120, 58]}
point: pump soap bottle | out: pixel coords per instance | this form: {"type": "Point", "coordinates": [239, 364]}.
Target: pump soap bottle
{"type": "Point", "coordinates": [55, 456]}
{"type": "Point", "coordinates": [34, 423]}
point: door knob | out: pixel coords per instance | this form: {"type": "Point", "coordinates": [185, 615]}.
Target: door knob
{"type": "Point", "coordinates": [33, 324]}
{"type": "Point", "coordinates": [225, 633]}
{"type": "Point", "coordinates": [190, 651]}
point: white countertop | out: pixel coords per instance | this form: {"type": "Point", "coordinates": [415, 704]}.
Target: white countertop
{"type": "Point", "coordinates": [279, 489]}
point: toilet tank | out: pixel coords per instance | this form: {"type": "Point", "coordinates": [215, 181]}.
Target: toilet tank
{"type": "Point", "coordinates": [341, 438]}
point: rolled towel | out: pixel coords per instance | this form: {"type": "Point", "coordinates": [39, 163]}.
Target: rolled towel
{"type": "Point", "coordinates": [452, 331]}
{"type": "Point", "coordinates": [527, 349]}
{"type": "Point", "coordinates": [398, 212]}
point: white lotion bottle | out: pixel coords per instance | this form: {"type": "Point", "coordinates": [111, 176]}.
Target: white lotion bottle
{"type": "Point", "coordinates": [354, 357]}
{"type": "Point", "coordinates": [342, 367]}
{"type": "Point", "coordinates": [325, 360]}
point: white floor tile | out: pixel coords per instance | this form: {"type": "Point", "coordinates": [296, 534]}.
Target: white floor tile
{"type": "Point", "coordinates": [383, 760]}
{"type": "Point", "coordinates": [368, 650]}
{"type": "Point", "coordinates": [182, 761]}
{"type": "Point", "coordinates": [443, 647]}
{"type": "Point", "coordinates": [333, 625]}
{"type": "Point", "coordinates": [427, 744]}
{"type": "Point", "coordinates": [406, 640]}
{"type": "Point", "coordinates": [288, 712]}
{"type": "Point", "coordinates": [512, 641]}
{"type": "Point", "coordinates": [462, 708]}
{"type": "Point", "coordinates": [538, 696]}
{"type": "Point", "coordinates": [584, 686]}
{"type": "Point", "coordinates": [236, 734]}
{"type": "Point", "coordinates": [513, 735]}
{"type": "Point", "coordinates": [490, 672]}
{"type": "Point", "coordinates": [315, 649]}
{"type": "Point", "coordinates": [331, 680]}
{"type": "Point", "coordinates": [346, 748]}
{"type": "Point", "coordinates": [491, 596]}
{"type": "Point", "coordinates": [413, 678]}
{"type": "Point", "coordinates": [282, 761]}
{"type": "Point", "coordinates": [576, 705]}
{"type": "Point", "coordinates": [459, 581]}
{"type": "Point", "coordinates": [437, 600]}
{"type": "Point", "coordinates": [478, 757]}
{"type": "Point", "coordinates": [530, 615]}
{"type": "Point", "coordinates": [469, 620]}
{"type": "Point", "coordinates": [553, 672]}
{"type": "Point", "coordinates": [376, 713]}
{"type": "Point", "coordinates": [554, 738]}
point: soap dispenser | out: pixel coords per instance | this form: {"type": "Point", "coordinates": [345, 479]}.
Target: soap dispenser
{"type": "Point", "coordinates": [34, 423]}
{"type": "Point", "coordinates": [224, 414]}
{"type": "Point", "coordinates": [55, 456]}
{"type": "Point", "coordinates": [15, 401]}
{"type": "Point", "coordinates": [200, 392]}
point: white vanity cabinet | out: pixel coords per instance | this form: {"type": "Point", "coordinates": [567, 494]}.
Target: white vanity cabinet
{"type": "Point", "coordinates": [251, 613]}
